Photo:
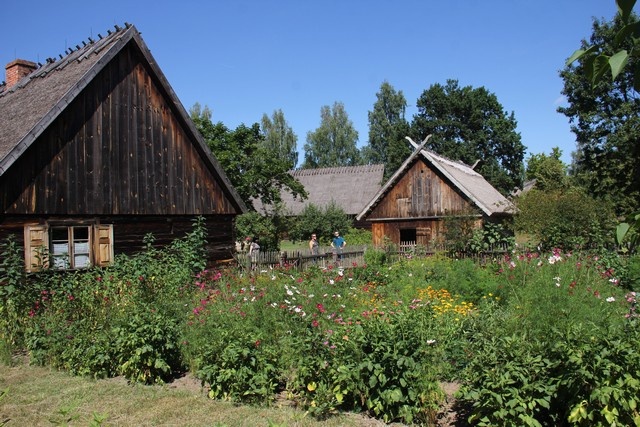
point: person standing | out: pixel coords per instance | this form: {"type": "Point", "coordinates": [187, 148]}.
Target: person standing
{"type": "Point", "coordinates": [337, 245]}
{"type": "Point", "coordinates": [254, 252]}
{"type": "Point", "coordinates": [314, 248]}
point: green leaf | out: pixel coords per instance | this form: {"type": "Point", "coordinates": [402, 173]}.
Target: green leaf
{"type": "Point", "coordinates": [624, 8]}
{"type": "Point", "coordinates": [600, 65]}
{"type": "Point", "coordinates": [621, 232]}
{"type": "Point", "coordinates": [617, 63]}
{"type": "Point", "coordinates": [575, 56]}
{"type": "Point", "coordinates": [373, 381]}
{"type": "Point", "coordinates": [396, 395]}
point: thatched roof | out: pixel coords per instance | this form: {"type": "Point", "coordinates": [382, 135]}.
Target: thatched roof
{"type": "Point", "coordinates": [350, 187]}
{"type": "Point", "coordinates": [461, 176]}
{"type": "Point", "coordinates": [30, 106]}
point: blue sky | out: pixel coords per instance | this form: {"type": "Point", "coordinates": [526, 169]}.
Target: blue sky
{"type": "Point", "coordinates": [249, 57]}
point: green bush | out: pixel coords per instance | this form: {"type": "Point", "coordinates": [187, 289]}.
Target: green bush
{"type": "Point", "coordinates": [568, 219]}
{"type": "Point", "coordinates": [146, 347]}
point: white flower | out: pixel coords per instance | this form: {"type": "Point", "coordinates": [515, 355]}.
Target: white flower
{"type": "Point", "coordinates": [611, 299]}
{"type": "Point", "coordinates": [410, 274]}
{"type": "Point", "coordinates": [273, 277]}
{"type": "Point", "coordinates": [289, 292]}
{"type": "Point", "coordinates": [431, 342]}
{"type": "Point", "coordinates": [297, 309]}
{"type": "Point", "coordinates": [340, 273]}
{"type": "Point", "coordinates": [311, 295]}
{"type": "Point", "coordinates": [331, 282]}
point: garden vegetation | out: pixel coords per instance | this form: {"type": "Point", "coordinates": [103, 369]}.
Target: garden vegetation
{"type": "Point", "coordinates": [533, 338]}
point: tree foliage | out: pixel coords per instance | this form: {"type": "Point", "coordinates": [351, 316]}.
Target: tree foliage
{"type": "Point", "coordinates": [280, 138]}
{"type": "Point", "coordinates": [387, 130]}
{"type": "Point", "coordinates": [334, 142]}
{"type": "Point", "coordinates": [605, 116]}
{"type": "Point", "coordinates": [320, 220]}
{"type": "Point", "coordinates": [470, 125]}
{"type": "Point", "coordinates": [549, 172]}
{"type": "Point", "coordinates": [569, 219]}
{"type": "Point", "coordinates": [254, 169]}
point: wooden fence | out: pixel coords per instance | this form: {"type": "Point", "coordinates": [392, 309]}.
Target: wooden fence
{"type": "Point", "coordinates": [411, 249]}
{"type": "Point", "coordinates": [354, 255]}
{"type": "Point", "coordinates": [303, 258]}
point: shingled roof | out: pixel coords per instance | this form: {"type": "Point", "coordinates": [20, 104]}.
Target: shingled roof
{"type": "Point", "coordinates": [350, 187]}
{"type": "Point", "coordinates": [30, 106]}
{"type": "Point", "coordinates": [469, 182]}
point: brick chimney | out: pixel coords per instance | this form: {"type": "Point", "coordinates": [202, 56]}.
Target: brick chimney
{"type": "Point", "coordinates": [18, 69]}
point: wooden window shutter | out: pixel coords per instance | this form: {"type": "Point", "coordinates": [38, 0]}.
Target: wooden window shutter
{"type": "Point", "coordinates": [103, 244]}
{"type": "Point", "coordinates": [36, 245]}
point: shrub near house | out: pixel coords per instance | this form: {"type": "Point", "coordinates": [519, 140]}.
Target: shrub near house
{"type": "Point", "coordinates": [377, 338]}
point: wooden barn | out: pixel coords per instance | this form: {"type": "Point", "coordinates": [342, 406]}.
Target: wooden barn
{"type": "Point", "coordinates": [349, 187]}
{"type": "Point", "coordinates": [96, 151]}
{"type": "Point", "coordinates": [413, 204]}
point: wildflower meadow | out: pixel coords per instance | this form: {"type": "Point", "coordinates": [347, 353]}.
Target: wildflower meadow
{"type": "Point", "coordinates": [532, 338]}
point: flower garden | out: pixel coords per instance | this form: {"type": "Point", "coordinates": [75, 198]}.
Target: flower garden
{"type": "Point", "coordinates": [532, 338]}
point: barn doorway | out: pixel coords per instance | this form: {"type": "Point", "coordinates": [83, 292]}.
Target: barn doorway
{"type": "Point", "coordinates": [407, 239]}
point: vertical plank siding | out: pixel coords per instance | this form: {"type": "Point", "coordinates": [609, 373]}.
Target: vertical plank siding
{"type": "Point", "coordinates": [120, 153]}
{"type": "Point", "coordinates": [420, 193]}
{"type": "Point", "coordinates": [117, 149]}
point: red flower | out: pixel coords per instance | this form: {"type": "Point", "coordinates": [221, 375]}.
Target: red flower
{"type": "Point", "coordinates": [257, 343]}
{"type": "Point", "coordinates": [315, 323]}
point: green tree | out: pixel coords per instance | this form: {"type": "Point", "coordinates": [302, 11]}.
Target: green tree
{"type": "Point", "coordinates": [334, 142]}
{"type": "Point", "coordinates": [320, 220]}
{"type": "Point", "coordinates": [255, 171]}
{"type": "Point", "coordinates": [569, 219]}
{"type": "Point", "coordinates": [605, 114]}
{"type": "Point", "coordinates": [470, 125]}
{"type": "Point", "coordinates": [387, 130]}
{"type": "Point", "coordinates": [280, 138]}
{"type": "Point", "coordinates": [549, 171]}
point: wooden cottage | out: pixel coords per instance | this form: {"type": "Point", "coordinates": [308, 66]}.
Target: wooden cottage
{"type": "Point", "coordinates": [96, 151]}
{"type": "Point", "coordinates": [428, 188]}
{"type": "Point", "coordinates": [349, 187]}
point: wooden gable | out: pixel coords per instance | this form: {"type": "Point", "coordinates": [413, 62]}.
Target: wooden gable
{"type": "Point", "coordinates": [120, 147]}
{"type": "Point", "coordinates": [421, 192]}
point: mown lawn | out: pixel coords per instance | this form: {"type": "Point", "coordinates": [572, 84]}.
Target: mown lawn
{"type": "Point", "coordinates": [36, 396]}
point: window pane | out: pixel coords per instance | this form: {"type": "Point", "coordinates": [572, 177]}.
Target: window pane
{"type": "Point", "coordinates": [61, 262]}
{"type": "Point", "coordinates": [59, 233]}
{"type": "Point", "coordinates": [59, 248]}
{"type": "Point", "coordinates": [80, 233]}
{"type": "Point", "coordinates": [81, 261]}
{"type": "Point", "coordinates": [80, 248]}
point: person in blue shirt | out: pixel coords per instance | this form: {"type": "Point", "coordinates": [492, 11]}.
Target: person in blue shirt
{"type": "Point", "coordinates": [337, 245]}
